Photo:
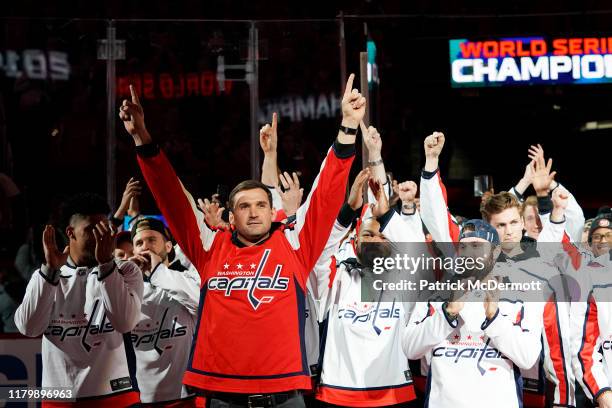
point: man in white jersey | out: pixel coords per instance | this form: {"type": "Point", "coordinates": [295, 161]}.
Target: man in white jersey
{"type": "Point", "coordinates": [162, 338]}
{"type": "Point", "coordinates": [85, 303]}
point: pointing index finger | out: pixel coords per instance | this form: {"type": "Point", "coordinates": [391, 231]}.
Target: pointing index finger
{"type": "Point", "coordinates": [135, 99]}
{"type": "Point", "coordinates": [274, 121]}
{"type": "Point", "coordinates": [349, 85]}
{"type": "Point", "coordinates": [364, 129]}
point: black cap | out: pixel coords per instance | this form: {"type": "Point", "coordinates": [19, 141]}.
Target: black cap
{"type": "Point", "coordinates": [601, 221]}
{"type": "Point", "coordinates": [149, 223]}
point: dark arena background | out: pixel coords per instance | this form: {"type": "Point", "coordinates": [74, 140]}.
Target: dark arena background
{"type": "Point", "coordinates": [211, 73]}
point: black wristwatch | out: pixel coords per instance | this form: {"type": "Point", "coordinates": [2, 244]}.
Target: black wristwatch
{"type": "Point", "coordinates": [348, 130]}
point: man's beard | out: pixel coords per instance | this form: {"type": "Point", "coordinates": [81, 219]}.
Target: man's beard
{"type": "Point", "coordinates": [477, 272]}
{"type": "Point", "coordinates": [368, 252]}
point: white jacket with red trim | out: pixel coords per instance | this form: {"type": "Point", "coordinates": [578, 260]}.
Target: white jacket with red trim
{"type": "Point", "coordinates": [363, 364]}
{"type": "Point", "coordinates": [85, 315]}
{"type": "Point", "coordinates": [591, 331]}
{"type": "Point", "coordinates": [475, 363]}
{"type": "Point", "coordinates": [164, 333]}
{"type": "Point", "coordinates": [557, 358]}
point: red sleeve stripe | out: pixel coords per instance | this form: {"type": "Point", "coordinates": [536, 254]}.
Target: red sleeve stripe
{"type": "Point", "coordinates": [590, 335]}
{"type": "Point", "coordinates": [571, 251]}
{"type": "Point", "coordinates": [553, 337]}
{"type": "Point", "coordinates": [453, 229]}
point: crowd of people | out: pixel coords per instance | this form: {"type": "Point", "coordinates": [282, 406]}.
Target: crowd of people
{"type": "Point", "coordinates": [269, 303]}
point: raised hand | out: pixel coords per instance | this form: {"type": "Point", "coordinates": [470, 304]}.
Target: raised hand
{"type": "Point", "coordinates": [382, 202]}
{"type": "Point", "coordinates": [560, 198]}
{"type": "Point", "coordinates": [292, 196]}
{"type": "Point", "coordinates": [268, 136]}
{"type": "Point", "coordinates": [132, 190]}
{"type": "Point", "coordinates": [143, 262]}
{"type": "Point", "coordinates": [132, 115]}
{"type": "Point", "coordinates": [372, 140]}
{"type": "Point", "coordinates": [212, 213]}
{"type": "Point", "coordinates": [353, 105]}
{"type": "Point", "coordinates": [542, 176]}
{"type": "Point", "coordinates": [355, 200]}
{"type": "Point", "coordinates": [106, 237]}
{"type": "Point", "coordinates": [53, 257]}
{"type": "Point", "coordinates": [433, 145]}
{"type": "Point", "coordinates": [407, 191]}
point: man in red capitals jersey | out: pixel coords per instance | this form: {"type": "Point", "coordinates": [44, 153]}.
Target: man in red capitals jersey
{"type": "Point", "coordinates": [249, 344]}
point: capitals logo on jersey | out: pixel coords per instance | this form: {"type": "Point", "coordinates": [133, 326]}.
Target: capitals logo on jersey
{"type": "Point", "coordinates": [249, 281]}
{"type": "Point", "coordinates": [175, 330]}
{"type": "Point", "coordinates": [479, 352]}
{"type": "Point", "coordinates": [370, 314]}
{"type": "Point", "coordinates": [83, 330]}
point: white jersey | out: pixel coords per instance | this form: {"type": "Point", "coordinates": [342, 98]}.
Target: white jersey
{"type": "Point", "coordinates": [474, 363]}
{"type": "Point", "coordinates": [557, 359]}
{"type": "Point", "coordinates": [163, 336]}
{"type": "Point", "coordinates": [591, 318]}
{"type": "Point", "coordinates": [363, 362]}
{"type": "Point", "coordinates": [85, 315]}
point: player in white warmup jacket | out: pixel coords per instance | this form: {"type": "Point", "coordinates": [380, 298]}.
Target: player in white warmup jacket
{"type": "Point", "coordinates": [84, 303]}
{"type": "Point", "coordinates": [163, 336]}
{"type": "Point", "coordinates": [476, 343]}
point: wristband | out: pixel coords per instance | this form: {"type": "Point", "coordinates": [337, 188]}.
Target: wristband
{"type": "Point", "coordinates": [348, 131]}
{"type": "Point", "coordinates": [375, 163]}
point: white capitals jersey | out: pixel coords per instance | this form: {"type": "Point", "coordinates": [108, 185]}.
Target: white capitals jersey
{"type": "Point", "coordinates": [163, 336]}
{"type": "Point", "coordinates": [83, 314]}
{"type": "Point", "coordinates": [363, 361]}
{"type": "Point", "coordinates": [471, 363]}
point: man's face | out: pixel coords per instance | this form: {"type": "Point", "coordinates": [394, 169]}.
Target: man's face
{"type": "Point", "coordinates": [509, 226]}
{"type": "Point", "coordinates": [252, 214]}
{"type": "Point", "coordinates": [82, 239]}
{"type": "Point", "coordinates": [148, 241]}
{"type": "Point", "coordinates": [369, 233]}
{"type": "Point", "coordinates": [533, 224]}
{"type": "Point", "coordinates": [481, 251]}
{"type": "Point", "coordinates": [601, 240]}
{"type": "Point", "coordinates": [124, 250]}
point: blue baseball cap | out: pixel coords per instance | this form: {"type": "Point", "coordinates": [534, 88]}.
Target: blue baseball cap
{"type": "Point", "coordinates": [479, 229]}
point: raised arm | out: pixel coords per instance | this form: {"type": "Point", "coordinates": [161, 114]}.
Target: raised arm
{"type": "Point", "coordinates": [121, 284]}
{"type": "Point", "coordinates": [187, 224]}
{"type": "Point", "coordinates": [268, 140]}
{"type": "Point", "coordinates": [409, 212]}
{"type": "Point", "coordinates": [434, 205]}
{"type": "Point", "coordinates": [315, 218]}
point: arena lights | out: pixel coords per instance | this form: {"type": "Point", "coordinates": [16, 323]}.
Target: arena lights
{"type": "Point", "coordinates": [533, 60]}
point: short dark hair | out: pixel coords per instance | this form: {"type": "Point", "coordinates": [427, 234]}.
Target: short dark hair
{"type": "Point", "coordinates": [249, 185]}
{"type": "Point", "coordinates": [498, 203]}
{"type": "Point", "coordinates": [83, 205]}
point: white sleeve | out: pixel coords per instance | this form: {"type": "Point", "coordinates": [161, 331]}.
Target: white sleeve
{"type": "Point", "coordinates": [428, 327]}
{"type": "Point", "coordinates": [34, 313]}
{"type": "Point", "coordinates": [434, 209]}
{"type": "Point", "coordinates": [319, 277]}
{"type": "Point", "coordinates": [121, 286]}
{"type": "Point", "coordinates": [415, 225]}
{"type": "Point", "coordinates": [516, 194]}
{"type": "Point", "coordinates": [520, 343]}
{"type": "Point", "coordinates": [550, 238]}
{"type": "Point", "coordinates": [182, 286]}
{"type": "Point", "coordinates": [575, 218]}
{"type": "Point", "coordinates": [587, 360]}
{"type": "Point", "coordinates": [277, 201]}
